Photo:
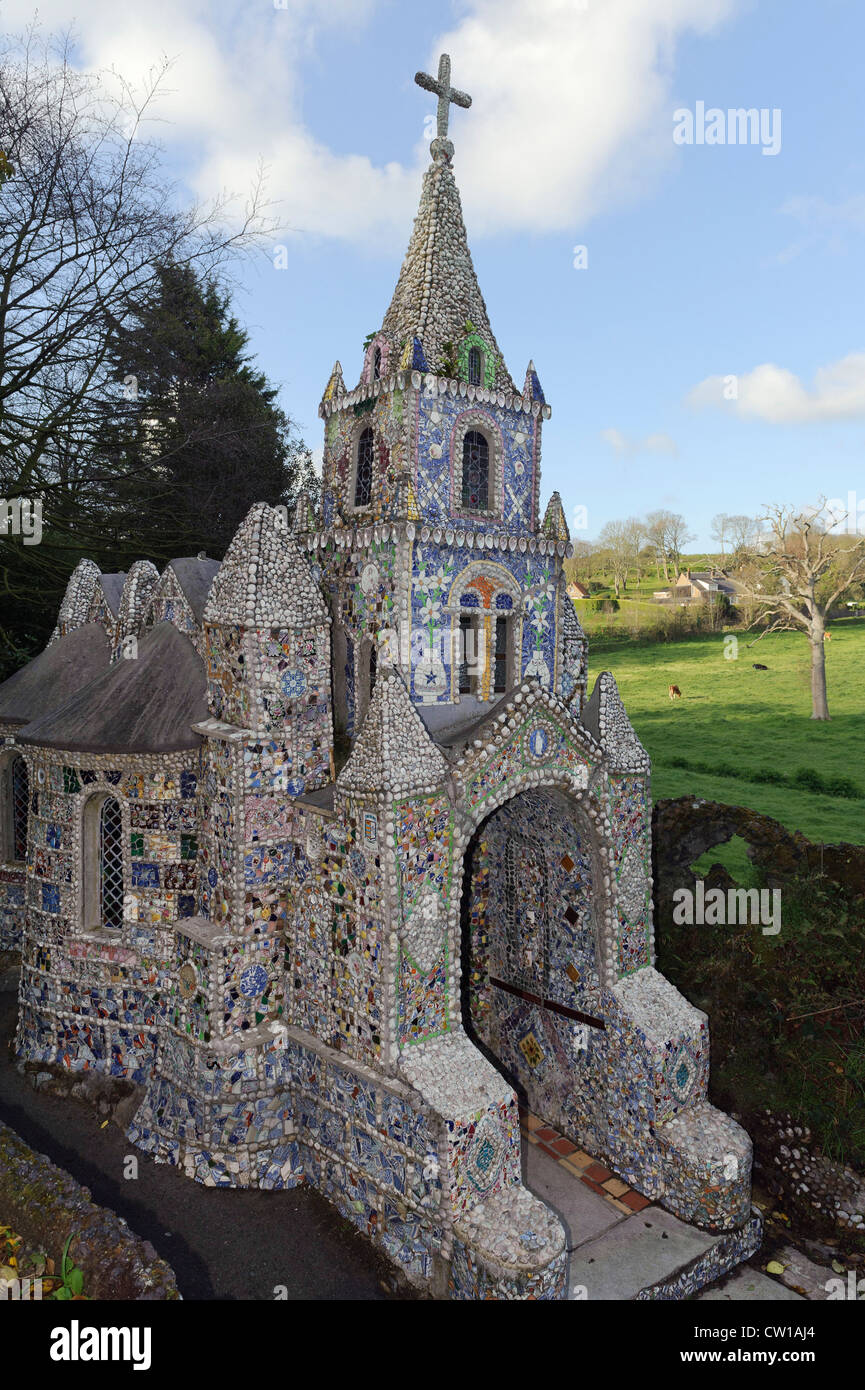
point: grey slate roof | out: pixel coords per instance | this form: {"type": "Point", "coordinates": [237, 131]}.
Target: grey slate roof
{"type": "Point", "coordinates": [195, 578]}
{"type": "Point", "coordinates": [112, 588]}
{"type": "Point", "coordinates": [55, 675]}
{"type": "Point", "coordinates": [141, 705]}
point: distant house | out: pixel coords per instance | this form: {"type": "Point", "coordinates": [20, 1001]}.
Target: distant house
{"type": "Point", "coordinates": [577, 591]}
{"type": "Point", "coordinates": [698, 586]}
{"type": "Point", "coordinates": [702, 585]}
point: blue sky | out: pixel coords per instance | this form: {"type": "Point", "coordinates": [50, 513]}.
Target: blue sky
{"type": "Point", "coordinates": [704, 261]}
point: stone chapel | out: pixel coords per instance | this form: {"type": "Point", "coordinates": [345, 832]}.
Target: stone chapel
{"type": "Point", "coordinates": [328, 849]}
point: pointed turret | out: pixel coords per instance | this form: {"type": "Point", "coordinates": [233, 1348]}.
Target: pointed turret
{"type": "Point", "coordinates": [77, 598]}
{"type": "Point", "coordinates": [555, 525]}
{"type": "Point", "coordinates": [437, 304]}
{"type": "Point", "coordinates": [393, 752]}
{"type": "Point", "coordinates": [264, 581]}
{"type": "Point", "coordinates": [335, 384]}
{"type": "Point", "coordinates": [532, 388]}
{"type": "Point", "coordinates": [606, 719]}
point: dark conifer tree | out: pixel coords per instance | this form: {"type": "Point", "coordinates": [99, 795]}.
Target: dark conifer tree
{"type": "Point", "coordinates": [195, 435]}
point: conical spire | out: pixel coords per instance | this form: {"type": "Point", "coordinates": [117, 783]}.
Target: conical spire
{"type": "Point", "coordinates": [437, 299]}
{"type": "Point", "coordinates": [554, 523]}
{"type": "Point", "coordinates": [393, 752]}
{"type": "Point", "coordinates": [77, 598]}
{"type": "Point", "coordinates": [532, 387]}
{"type": "Point", "coordinates": [335, 385]}
{"type": "Point", "coordinates": [605, 718]}
{"type": "Point", "coordinates": [264, 581]}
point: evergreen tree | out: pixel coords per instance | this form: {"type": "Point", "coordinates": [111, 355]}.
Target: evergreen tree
{"type": "Point", "coordinates": [197, 435]}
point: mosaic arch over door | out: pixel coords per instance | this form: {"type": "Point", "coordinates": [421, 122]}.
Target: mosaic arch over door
{"type": "Point", "coordinates": [531, 983]}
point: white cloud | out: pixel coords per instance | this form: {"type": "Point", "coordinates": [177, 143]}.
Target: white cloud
{"type": "Point", "coordinates": [778, 396]}
{"type": "Point", "coordinates": [572, 108]}
{"type": "Point", "coordinates": [658, 443]}
{"type": "Point", "coordinates": [616, 440]}
{"type": "Point", "coordinates": [824, 224]}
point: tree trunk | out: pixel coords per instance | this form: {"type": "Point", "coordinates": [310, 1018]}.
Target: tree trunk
{"type": "Point", "coordinates": [819, 703]}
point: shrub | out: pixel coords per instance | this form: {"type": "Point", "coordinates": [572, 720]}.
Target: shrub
{"type": "Point", "coordinates": [786, 1011]}
{"type": "Point", "coordinates": [809, 779]}
{"type": "Point", "coordinates": [842, 786]}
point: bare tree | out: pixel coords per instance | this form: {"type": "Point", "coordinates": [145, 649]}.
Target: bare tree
{"type": "Point", "coordinates": [614, 540]}
{"type": "Point", "coordinates": [634, 535]}
{"type": "Point", "coordinates": [668, 534]}
{"type": "Point", "coordinates": [742, 533]}
{"type": "Point", "coordinates": [655, 535]}
{"type": "Point", "coordinates": [85, 217]}
{"type": "Point", "coordinates": [579, 566]}
{"type": "Point", "coordinates": [720, 532]}
{"type": "Point", "coordinates": [796, 574]}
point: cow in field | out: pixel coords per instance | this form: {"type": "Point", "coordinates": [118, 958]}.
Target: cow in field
{"type": "Point", "coordinates": [675, 693]}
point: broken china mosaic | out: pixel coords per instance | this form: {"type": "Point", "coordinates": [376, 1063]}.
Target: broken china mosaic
{"type": "Point", "coordinates": [285, 982]}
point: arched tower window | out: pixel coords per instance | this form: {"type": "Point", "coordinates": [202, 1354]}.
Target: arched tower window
{"type": "Point", "coordinates": [376, 365]}
{"type": "Point", "coordinates": [14, 806]}
{"type": "Point", "coordinates": [363, 475]}
{"type": "Point", "coordinates": [20, 800]}
{"type": "Point", "coordinates": [476, 472]}
{"type": "Point", "coordinates": [110, 864]}
{"type": "Point", "coordinates": [475, 366]}
{"type": "Point", "coordinates": [103, 863]}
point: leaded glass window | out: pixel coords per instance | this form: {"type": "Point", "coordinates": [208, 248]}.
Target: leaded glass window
{"type": "Point", "coordinates": [476, 472]}
{"type": "Point", "coordinates": [20, 798]}
{"type": "Point", "coordinates": [363, 477]}
{"type": "Point", "coordinates": [475, 366]}
{"type": "Point", "coordinates": [376, 365]}
{"type": "Point", "coordinates": [110, 864]}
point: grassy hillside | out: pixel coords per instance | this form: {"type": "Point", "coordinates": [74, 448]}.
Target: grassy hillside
{"type": "Point", "coordinates": [755, 724]}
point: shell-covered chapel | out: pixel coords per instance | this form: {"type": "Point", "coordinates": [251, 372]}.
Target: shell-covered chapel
{"type": "Point", "coordinates": [329, 850]}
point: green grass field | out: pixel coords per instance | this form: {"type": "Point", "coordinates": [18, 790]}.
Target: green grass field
{"type": "Point", "coordinates": [748, 721]}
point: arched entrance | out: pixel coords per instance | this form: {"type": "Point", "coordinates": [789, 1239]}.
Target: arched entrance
{"type": "Point", "coordinates": [531, 981]}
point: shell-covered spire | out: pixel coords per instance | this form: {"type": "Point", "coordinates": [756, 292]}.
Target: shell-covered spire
{"type": "Point", "coordinates": [264, 581]}
{"type": "Point", "coordinates": [393, 752]}
{"type": "Point", "coordinates": [437, 300]}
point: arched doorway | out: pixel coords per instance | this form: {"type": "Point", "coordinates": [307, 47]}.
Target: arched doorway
{"type": "Point", "coordinates": [531, 984]}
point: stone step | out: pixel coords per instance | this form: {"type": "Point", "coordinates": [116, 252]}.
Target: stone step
{"type": "Point", "coordinates": [621, 1255]}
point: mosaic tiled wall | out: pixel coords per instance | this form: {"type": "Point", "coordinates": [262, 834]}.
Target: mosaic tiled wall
{"type": "Point", "coordinates": [519, 586]}
{"type": "Point", "coordinates": [96, 999]}
{"type": "Point", "coordinates": [631, 818]}
{"type": "Point", "coordinates": [13, 880]}
{"type": "Point", "coordinates": [423, 855]}
{"type": "Point", "coordinates": [419, 427]}
{"type": "Point", "coordinates": [335, 938]}
{"type": "Point", "coordinates": [385, 415]}
{"type": "Point", "coordinates": [284, 1111]}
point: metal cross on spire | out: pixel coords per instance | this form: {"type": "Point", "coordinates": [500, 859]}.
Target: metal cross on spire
{"type": "Point", "coordinates": [446, 94]}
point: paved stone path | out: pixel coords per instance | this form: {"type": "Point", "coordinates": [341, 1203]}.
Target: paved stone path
{"type": "Point", "coordinates": [221, 1244]}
